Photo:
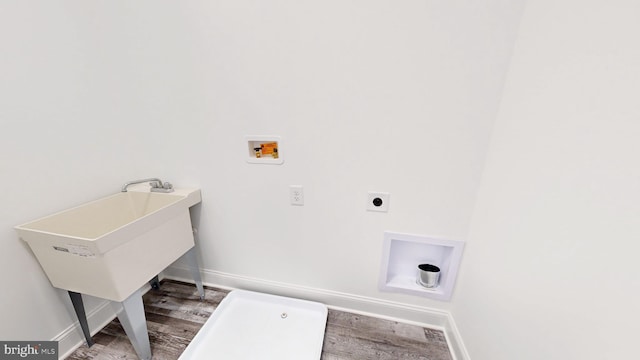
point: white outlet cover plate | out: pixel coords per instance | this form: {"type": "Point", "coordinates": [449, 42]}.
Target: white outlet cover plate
{"type": "Point", "coordinates": [296, 195]}
{"type": "Point", "coordinates": [384, 196]}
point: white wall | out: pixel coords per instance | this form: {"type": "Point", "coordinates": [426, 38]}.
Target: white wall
{"type": "Point", "coordinates": [550, 269]}
{"type": "Point", "coordinates": [367, 95]}
{"type": "Point", "coordinates": [91, 95]}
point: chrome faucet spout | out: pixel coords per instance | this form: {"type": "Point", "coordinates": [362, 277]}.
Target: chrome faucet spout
{"type": "Point", "coordinates": [155, 183]}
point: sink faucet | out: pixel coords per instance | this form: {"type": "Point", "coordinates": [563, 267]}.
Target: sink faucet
{"type": "Point", "coordinates": [156, 185]}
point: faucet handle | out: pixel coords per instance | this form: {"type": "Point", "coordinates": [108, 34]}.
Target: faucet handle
{"type": "Point", "coordinates": [161, 188]}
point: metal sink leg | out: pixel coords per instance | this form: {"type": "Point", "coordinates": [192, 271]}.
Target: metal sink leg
{"type": "Point", "coordinates": [131, 315]}
{"type": "Point", "coordinates": [192, 261]}
{"type": "Point", "coordinates": [155, 283]}
{"type": "Point", "coordinates": [78, 306]}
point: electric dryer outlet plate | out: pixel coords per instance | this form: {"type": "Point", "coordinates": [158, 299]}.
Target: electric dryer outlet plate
{"type": "Point", "coordinates": [378, 201]}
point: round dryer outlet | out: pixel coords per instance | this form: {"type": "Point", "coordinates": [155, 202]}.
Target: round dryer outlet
{"type": "Point", "coordinates": [378, 201]}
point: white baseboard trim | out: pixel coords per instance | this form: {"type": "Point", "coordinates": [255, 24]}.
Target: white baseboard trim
{"type": "Point", "coordinates": [72, 337]}
{"type": "Point", "coordinates": [456, 345]}
{"type": "Point", "coordinates": [406, 313]}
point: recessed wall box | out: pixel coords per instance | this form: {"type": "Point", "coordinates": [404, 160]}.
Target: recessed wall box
{"type": "Point", "coordinates": [263, 149]}
{"type": "Point", "coordinates": [402, 253]}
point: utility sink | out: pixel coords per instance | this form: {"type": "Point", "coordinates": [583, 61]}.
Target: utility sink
{"type": "Point", "coordinates": [110, 247]}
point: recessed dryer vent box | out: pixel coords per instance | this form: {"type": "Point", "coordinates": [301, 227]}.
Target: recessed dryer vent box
{"type": "Point", "coordinates": [264, 149]}
{"type": "Point", "coordinates": [402, 253]}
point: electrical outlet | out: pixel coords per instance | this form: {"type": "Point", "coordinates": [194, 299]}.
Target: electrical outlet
{"type": "Point", "coordinates": [378, 201]}
{"type": "Point", "coordinates": [296, 195]}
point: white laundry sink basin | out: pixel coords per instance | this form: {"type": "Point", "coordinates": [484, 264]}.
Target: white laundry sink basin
{"type": "Point", "coordinates": [112, 246]}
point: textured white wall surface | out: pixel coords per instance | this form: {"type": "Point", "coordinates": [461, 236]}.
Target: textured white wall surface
{"type": "Point", "coordinates": [551, 265]}
{"type": "Point", "coordinates": [367, 95]}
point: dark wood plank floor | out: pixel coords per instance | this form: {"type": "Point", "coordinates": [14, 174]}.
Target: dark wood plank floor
{"type": "Point", "coordinates": [175, 314]}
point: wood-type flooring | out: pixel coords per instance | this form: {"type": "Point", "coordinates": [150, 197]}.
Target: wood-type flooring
{"type": "Point", "coordinates": [175, 314]}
